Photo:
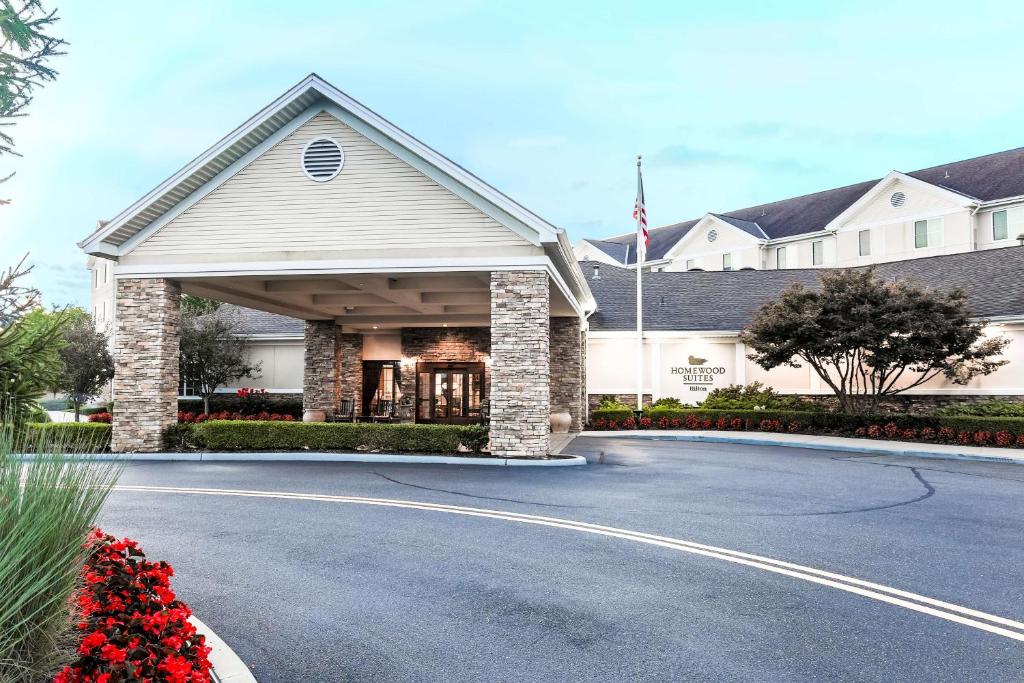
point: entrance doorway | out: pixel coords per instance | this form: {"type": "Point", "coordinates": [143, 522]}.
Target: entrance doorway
{"type": "Point", "coordinates": [449, 393]}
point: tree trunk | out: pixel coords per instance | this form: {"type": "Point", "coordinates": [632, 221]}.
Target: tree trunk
{"type": "Point", "coordinates": [206, 404]}
{"type": "Point", "coordinates": [78, 410]}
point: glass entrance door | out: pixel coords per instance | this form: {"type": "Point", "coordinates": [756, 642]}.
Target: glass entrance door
{"type": "Point", "coordinates": [449, 392]}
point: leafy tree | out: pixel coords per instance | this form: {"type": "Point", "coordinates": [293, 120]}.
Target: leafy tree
{"type": "Point", "coordinates": [30, 343]}
{"type": "Point", "coordinates": [868, 339]}
{"type": "Point", "coordinates": [25, 52]}
{"type": "Point", "coordinates": [197, 305]}
{"type": "Point", "coordinates": [212, 354]}
{"type": "Point", "coordinates": [86, 358]}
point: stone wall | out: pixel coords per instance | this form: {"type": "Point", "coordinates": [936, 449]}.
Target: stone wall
{"type": "Point", "coordinates": [440, 345]}
{"type": "Point", "coordinates": [320, 368]}
{"type": "Point", "coordinates": [520, 363]}
{"type": "Point", "coordinates": [567, 369]}
{"type": "Point", "coordinates": [146, 345]}
{"type": "Point", "coordinates": [350, 369]}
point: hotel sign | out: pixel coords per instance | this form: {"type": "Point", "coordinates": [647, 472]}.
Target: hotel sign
{"type": "Point", "coordinates": [690, 376]}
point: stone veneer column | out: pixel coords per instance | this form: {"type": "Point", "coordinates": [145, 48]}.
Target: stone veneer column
{"type": "Point", "coordinates": [520, 366]}
{"type": "Point", "coordinates": [567, 369]}
{"type": "Point", "coordinates": [350, 369]}
{"type": "Point", "coordinates": [320, 366]}
{"type": "Point", "coordinates": [146, 343]}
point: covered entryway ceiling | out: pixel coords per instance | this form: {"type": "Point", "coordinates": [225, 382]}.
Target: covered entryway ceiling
{"type": "Point", "coordinates": [366, 302]}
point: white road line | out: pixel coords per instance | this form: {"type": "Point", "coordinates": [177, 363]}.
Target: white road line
{"type": "Point", "coordinates": [893, 596]}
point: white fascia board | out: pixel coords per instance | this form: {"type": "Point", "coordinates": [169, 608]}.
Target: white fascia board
{"type": "Point", "coordinates": [962, 200]}
{"type": "Point", "coordinates": [799, 238]}
{"type": "Point", "coordinates": [218, 180]}
{"type": "Point", "coordinates": [258, 338]}
{"type": "Point", "coordinates": [200, 161]}
{"type": "Point", "coordinates": [731, 335]}
{"type": "Point", "coordinates": [674, 252]}
{"type": "Point", "coordinates": [1000, 202]}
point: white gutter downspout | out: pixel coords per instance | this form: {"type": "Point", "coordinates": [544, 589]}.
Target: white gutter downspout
{"type": "Point", "coordinates": [974, 227]}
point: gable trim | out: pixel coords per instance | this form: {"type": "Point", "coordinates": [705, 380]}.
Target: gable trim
{"type": "Point", "coordinates": [703, 222]}
{"type": "Point", "coordinates": [470, 188]}
{"type": "Point", "coordinates": [836, 223]}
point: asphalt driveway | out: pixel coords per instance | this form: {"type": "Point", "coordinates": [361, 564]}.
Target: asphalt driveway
{"type": "Point", "coordinates": [323, 589]}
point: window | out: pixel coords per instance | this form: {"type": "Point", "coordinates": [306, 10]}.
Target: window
{"type": "Point", "coordinates": [780, 258]}
{"type": "Point", "coordinates": [817, 253]}
{"type": "Point", "coordinates": [928, 233]}
{"type": "Point", "coordinates": [999, 227]}
{"type": "Point", "coordinates": [690, 264]}
{"type": "Point", "coordinates": [864, 242]}
{"type": "Point", "coordinates": [726, 261]}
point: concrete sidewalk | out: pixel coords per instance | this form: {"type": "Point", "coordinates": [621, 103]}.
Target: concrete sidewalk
{"type": "Point", "coordinates": [832, 443]}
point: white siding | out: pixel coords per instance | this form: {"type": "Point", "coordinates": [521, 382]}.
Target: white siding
{"type": "Point", "coordinates": [377, 202]}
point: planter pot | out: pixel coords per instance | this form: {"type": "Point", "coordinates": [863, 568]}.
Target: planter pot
{"type": "Point", "coordinates": [560, 422]}
{"type": "Point", "coordinates": [314, 416]}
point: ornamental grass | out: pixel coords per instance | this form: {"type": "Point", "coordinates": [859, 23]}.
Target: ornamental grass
{"type": "Point", "coordinates": [48, 504]}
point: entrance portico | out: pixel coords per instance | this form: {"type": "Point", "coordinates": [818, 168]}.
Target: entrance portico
{"type": "Point", "coordinates": [428, 296]}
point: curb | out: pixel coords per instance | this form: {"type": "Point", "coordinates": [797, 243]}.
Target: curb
{"type": "Point", "coordinates": [564, 461]}
{"type": "Point", "coordinates": [914, 451]}
{"type": "Point", "coordinates": [227, 666]}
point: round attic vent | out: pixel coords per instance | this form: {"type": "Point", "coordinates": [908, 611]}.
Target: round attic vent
{"type": "Point", "coordinates": [322, 159]}
{"type": "Point", "coordinates": [712, 235]}
{"type": "Point", "coordinates": [898, 199]}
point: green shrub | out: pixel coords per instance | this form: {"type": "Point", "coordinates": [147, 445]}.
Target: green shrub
{"type": "Point", "coordinates": [819, 422]}
{"type": "Point", "coordinates": [245, 435]}
{"type": "Point", "coordinates": [69, 437]}
{"type": "Point", "coordinates": [996, 407]}
{"type": "Point", "coordinates": [56, 404]}
{"type": "Point", "coordinates": [669, 402]}
{"type": "Point", "coordinates": [609, 402]}
{"type": "Point", "coordinates": [233, 404]}
{"type": "Point", "coordinates": [754, 396]}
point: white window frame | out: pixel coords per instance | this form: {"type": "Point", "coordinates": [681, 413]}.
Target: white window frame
{"type": "Point", "coordinates": [818, 252]}
{"type": "Point", "coordinates": [690, 264]}
{"type": "Point", "coordinates": [861, 235]}
{"type": "Point", "coordinates": [727, 261]}
{"type": "Point", "coordinates": [780, 258]}
{"type": "Point", "coordinates": [1006, 225]}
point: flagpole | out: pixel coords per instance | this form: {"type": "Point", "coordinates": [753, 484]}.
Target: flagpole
{"type": "Point", "coordinates": [640, 254]}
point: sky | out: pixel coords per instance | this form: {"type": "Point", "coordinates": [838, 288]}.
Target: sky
{"type": "Point", "coordinates": [731, 104]}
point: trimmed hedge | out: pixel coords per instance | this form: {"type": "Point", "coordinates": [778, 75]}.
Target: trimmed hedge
{"type": "Point", "coordinates": [245, 435]}
{"type": "Point", "coordinates": [233, 404]}
{"type": "Point", "coordinates": [68, 437]}
{"type": "Point", "coordinates": [817, 422]}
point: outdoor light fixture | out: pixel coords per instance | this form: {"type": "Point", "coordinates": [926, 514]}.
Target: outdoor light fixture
{"type": "Point", "coordinates": [597, 272]}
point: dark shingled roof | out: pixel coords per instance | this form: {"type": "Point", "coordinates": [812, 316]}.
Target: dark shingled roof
{"type": "Point", "coordinates": [726, 300]}
{"type": "Point", "coordinates": [989, 177]}
{"type": "Point", "coordinates": [250, 321]}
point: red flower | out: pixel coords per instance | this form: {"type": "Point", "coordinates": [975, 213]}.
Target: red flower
{"type": "Point", "coordinates": [94, 639]}
{"type": "Point", "coordinates": [113, 654]}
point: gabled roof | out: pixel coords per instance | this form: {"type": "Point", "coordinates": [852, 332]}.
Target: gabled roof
{"type": "Point", "coordinates": [727, 300]}
{"type": "Point", "coordinates": [308, 97]}
{"type": "Point", "coordinates": [749, 227]}
{"type": "Point", "coordinates": [986, 178]}
{"type": "Point", "coordinates": [251, 322]}
{"type": "Point", "coordinates": [616, 250]}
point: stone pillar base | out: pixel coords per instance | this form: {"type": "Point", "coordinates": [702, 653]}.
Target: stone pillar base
{"type": "Point", "coordinates": [146, 345]}
{"type": "Point", "coordinates": [520, 364]}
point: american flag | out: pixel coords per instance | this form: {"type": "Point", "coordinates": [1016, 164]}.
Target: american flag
{"type": "Point", "coordinates": [640, 212]}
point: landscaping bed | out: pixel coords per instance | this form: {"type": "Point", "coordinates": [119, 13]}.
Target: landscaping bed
{"type": "Point", "coordinates": [965, 430]}
{"type": "Point", "coordinates": [253, 435]}
{"type": "Point", "coordinates": [130, 626]}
